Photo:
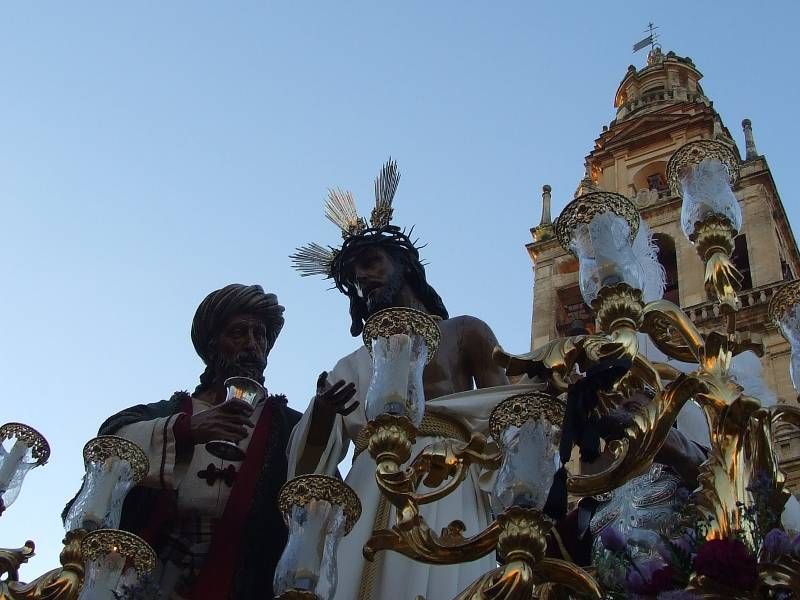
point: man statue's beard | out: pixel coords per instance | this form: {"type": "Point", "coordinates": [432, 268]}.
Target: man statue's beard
{"type": "Point", "coordinates": [386, 295]}
{"type": "Point", "coordinates": [243, 364]}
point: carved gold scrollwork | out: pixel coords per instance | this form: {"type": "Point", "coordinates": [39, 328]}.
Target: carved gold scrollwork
{"type": "Point", "coordinates": [105, 446]}
{"type": "Point", "coordinates": [391, 321]}
{"type": "Point", "coordinates": [554, 360]}
{"type": "Point", "coordinates": [694, 152]}
{"type": "Point", "coordinates": [584, 208]}
{"type": "Point", "coordinates": [521, 544]}
{"type": "Point", "coordinates": [782, 574]}
{"type": "Point", "coordinates": [40, 449]}
{"type": "Point", "coordinates": [59, 584]}
{"type": "Point", "coordinates": [305, 488]}
{"type": "Point", "coordinates": [784, 299]}
{"type": "Point", "coordinates": [101, 542]}
{"type": "Point", "coordinates": [12, 559]}
{"type": "Point", "coordinates": [443, 466]}
{"type": "Point", "coordinates": [662, 321]}
{"type": "Point", "coordinates": [633, 455]}
{"type": "Point", "coordinates": [713, 238]}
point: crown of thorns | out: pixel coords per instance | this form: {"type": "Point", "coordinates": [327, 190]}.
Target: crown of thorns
{"type": "Point", "coordinates": [357, 233]}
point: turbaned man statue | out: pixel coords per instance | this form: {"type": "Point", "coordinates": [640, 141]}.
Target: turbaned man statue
{"type": "Point", "coordinates": [214, 524]}
{"type": "Point", "coordinates": [377, 267]}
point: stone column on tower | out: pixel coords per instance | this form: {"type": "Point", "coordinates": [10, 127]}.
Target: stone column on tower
{"type": "Point", "coordinates": [749, 140]}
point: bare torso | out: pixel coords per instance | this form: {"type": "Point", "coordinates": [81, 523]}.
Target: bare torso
{"type": "Point", "coordinates": [463, 360]}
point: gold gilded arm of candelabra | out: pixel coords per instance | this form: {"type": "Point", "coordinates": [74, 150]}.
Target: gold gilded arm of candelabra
{"type": "Point", "coordinates": [783, 574]}
{"type": "Point", "coordinates": [12, 559]}
{"type": "Point", "coordinates": [713, 238]}
{"type": "Point", "coordinates": [633, 454]}
{"type": "Point", "coordinates": [59, 584]}
{"type": "Point", "coordinates": [521, 542]}
{"type": "Point", "coordinates": [517, 580]}
{"type": "Point", "coordinates": [662, 321]}
{"type": "Point", "coordinates": [445, 461]}
{"type": "Point", "coordinates": [554, 361]}
{"type": "Point", "coordinates": [443, 466]}
{"type": "Point", "coordinates": [412, 537]}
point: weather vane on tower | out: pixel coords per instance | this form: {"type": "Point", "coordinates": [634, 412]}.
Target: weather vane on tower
{"type": "Point", "coordinates": [651, 39]}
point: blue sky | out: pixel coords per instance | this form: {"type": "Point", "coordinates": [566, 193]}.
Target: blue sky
{"type": "Point", "coordinates": [152, 152]}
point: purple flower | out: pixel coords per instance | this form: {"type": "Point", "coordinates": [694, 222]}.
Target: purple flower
{"type": "Point", "coordinates": [612, 540]}
{"type": "Point", "coordinates": [776, 544]}
{"type": "Point", "coordinates": [677, 595]}
{"type": "Point", "coordinates": [727, 561]}
{"type": "Point", "coordinates": [685, 544]}
{"type": "Point", "coordinates": [650, 577]}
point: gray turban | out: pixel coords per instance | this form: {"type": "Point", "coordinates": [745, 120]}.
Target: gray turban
{"type": "Point", "coordinates": [235, 299]}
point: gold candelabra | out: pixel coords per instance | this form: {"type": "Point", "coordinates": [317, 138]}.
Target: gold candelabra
{"type": "Point", "coordinates": [601, 229]}
{"type": "Point", "coordinates": [112, 464]}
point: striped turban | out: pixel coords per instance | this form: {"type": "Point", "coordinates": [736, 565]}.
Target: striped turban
{"type": "Point", "coordinates": [235, 299]}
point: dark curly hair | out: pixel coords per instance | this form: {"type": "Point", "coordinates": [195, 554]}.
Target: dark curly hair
{"type": "Point", "coordinates": [403, 253]}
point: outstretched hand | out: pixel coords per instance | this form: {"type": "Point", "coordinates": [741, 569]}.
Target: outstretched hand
{"type": "Point", "coordinates": [334, 398]}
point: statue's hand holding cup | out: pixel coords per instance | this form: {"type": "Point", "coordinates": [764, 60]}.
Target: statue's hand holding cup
{"type": "Point", "coordinates": [231, 418]}
{"type": "Point", "coordinates": [227, 421]}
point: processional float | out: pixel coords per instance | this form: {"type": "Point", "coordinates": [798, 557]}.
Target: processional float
{"type": "Point", "coordinates": [741, 488]}
{"type": "Point", "coordinates": [737, 506]}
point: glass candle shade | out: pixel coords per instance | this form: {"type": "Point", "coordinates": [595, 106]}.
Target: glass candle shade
{"type": "Point", "coordinates": [113, 466]}
{"type": "Point", "coordinates": [319, 511]}
{"type": "Point", "coordinates": [527, 428]}
{"type": "Point", "coordinates": [704, 172]}
{"type": "Point", "coordinates": [21, 449]}
{"type": "Point", "coordinates": [401, 341]}
{"type": "Point", "coordinates": [116, 562]}
{"type": "Point", "coordinates": [246, 390]}
{"type": "Point", "coordinates": [784, 312]}
{"type": "Point", "coordinates": [599, 229]}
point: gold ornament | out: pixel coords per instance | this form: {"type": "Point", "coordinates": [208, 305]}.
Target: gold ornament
{"type": "Point", "coordinates": [106, 446]}
{"type": "Point", "coordinates": [783, 300]}
{"type": "Point", "coordinates": [517, 410]}
{"type": "Point", "coordinates": [101, 542]}
{"type": "Point", "coordinates": [392, 321]}
{"type": "Point", "coordinates": [692, 153]}
{"type": "Point", "coordinates": [59, 584]}
{"type": "Point", "coordinates": [584, 208]}
{"type": "Point", "coordinates": [40, 449]}
{"type": "Point", "coordinates": [305, 488]}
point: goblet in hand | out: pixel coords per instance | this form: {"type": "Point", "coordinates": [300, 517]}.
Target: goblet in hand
{"type": "Point", "coordinates": [243, 389]}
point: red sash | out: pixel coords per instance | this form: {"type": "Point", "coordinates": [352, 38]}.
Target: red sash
{"type": "Point", "coordinates": [215, 580]}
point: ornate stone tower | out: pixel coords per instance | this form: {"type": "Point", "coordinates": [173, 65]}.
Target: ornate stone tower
{"type": "Point", "coordinates": [659, 108]}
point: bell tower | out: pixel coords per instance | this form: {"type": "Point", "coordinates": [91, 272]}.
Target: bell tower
{"type": "Point", "coordinates": [659, 108]}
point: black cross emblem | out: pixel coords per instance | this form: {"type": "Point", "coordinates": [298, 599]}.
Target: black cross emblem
{"type": "Point", "coordinates": [211, 473]}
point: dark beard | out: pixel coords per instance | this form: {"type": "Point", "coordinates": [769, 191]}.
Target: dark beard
{"type": "Point", "coordinates": [386, 295]}
{"type": "Point", "coordinates": [243, 364]}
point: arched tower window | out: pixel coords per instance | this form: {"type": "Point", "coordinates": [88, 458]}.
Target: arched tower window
{"type": "Point", "coordinates": [669, 260]}
{"type": "Point", "coordinates": [741, 260]}
{"type": "Point", "coordinates": [652, 177]}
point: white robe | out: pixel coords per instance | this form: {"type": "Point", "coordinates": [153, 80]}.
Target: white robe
{"type": "Point", "coordinates": [194, 495]}
{"type": "Point", "coordinates": [398, 577]}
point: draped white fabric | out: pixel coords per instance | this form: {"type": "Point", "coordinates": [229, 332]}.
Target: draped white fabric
{"type": "Point", "coordinates": [397, 576]}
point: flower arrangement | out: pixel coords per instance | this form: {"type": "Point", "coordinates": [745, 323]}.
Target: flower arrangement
{"type": "Point", "coordinates": [686, 566]}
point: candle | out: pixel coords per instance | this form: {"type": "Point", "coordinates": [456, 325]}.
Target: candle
{"type": "Point", "coordinates": [10, 464]}
{"type": "Point", "coordinates": [106, 479]}
{"type": "Point", "coordinates": [103, 577]}
{"type": "Point", "coordinates": [398, 363]}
